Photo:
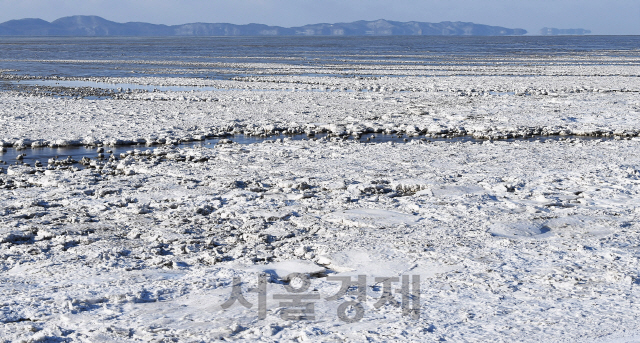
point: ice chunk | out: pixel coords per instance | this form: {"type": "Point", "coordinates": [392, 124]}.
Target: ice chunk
{"type": "Point", "coordinates": [523, 229]}
{"type": "Point", "coordinates": [371, 218]}
{"type": "Point", "coordinates": [284, 268]}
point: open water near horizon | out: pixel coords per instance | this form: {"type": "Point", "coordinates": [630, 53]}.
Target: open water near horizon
{"type": "Point", "coordinates": [212, 57]}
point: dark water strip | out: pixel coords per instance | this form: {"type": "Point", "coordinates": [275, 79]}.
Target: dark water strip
{"type": "Point", "coordinates": [31, 155]}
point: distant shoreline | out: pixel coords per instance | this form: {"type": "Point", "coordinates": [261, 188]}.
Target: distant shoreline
{"type": "Point", "coordinates": [97, 26]}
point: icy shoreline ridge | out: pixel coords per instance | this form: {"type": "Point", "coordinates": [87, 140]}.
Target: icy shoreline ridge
{"type": "Point", "coordinates": [521, 240]}
{"type": "Point", "coordinates": [484, 107]}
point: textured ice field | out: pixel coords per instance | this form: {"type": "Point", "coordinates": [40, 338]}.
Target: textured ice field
{"type": "Point", "coordinates": [481, 106]}
{"type": "Point", "coordinates": [513, 241]}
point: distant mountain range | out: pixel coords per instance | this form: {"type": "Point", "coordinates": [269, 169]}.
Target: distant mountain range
{"type": "Point", "coordinates": [97, 26]}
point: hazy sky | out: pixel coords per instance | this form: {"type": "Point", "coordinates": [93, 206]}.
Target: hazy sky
{"type": "Point", "coordinates": [600, 16]}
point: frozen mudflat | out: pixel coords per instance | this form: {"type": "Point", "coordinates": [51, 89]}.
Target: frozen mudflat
{"type": "Point", "coordinates": [513, 240]}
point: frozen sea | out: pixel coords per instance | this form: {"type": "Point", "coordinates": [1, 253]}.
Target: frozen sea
{"type": "Point", "coordinates": [468, 188]}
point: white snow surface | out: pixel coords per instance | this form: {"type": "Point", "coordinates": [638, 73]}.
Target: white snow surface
{"type": "Point", "coordinates": [513, 241]}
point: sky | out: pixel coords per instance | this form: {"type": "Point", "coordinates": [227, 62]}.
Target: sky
{"type": "Point", "coordinates": [606, 17]}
